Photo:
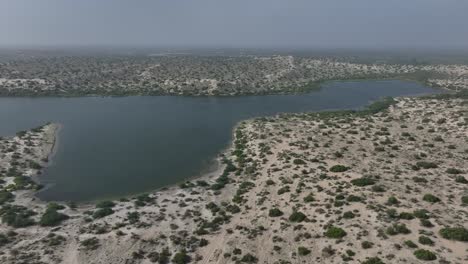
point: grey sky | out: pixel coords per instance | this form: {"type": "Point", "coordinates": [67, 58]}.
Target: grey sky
{"type": "Point", "coordinates": [305, 23]}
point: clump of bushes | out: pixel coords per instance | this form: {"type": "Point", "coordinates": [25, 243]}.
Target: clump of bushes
{"type": "Point", "coordinates": [105, 204]}
{"type": "Point", "coordinates": [348, 215]}
{"type": "Point", "coordinates": [52, 217]}
{"type": "Point", "coordinates": [16, 216]}
{"type": "Point", "coordinates": [453, 171]}
{"type": "Point", "coordinates": [455, 233]}
{"type": "Point", "coordinates": [5, 196]}
{"type": "Point", "coordinates": [421, 213]}
{"type": "Point", "coordinates": [426, 223]}
{"type": "Point", "coordinates": [249, 258]}
{"type": "Point", "coordinates": [133, 217]}
{"type": "Point", "coordinates": [160, 257]}
{"type": "Point", "coordinates": [423, 254]}
{"type": "Point", "coordinates": [431, 198]}
{"type": "Point", "coordinates": [353, 198]}
{"type": "Point", "coordinates": [367, 244]}
{"type": "Point", "coordinates": [3, 240]}
{"type": "Point", "coordinates": [104, 209]}
{"type": "Point", "coordinates": [181, 257]}
{"type": "Point", "coordinates": [363, 181]}
{"type": "Point", "coordinates": [335, 232]}
{"type": "Point", "coordinates": [426, 165]}
{"type": "Point", "coordinates": [424, 240]}
{"type": "Point", "coordinates": [461, 179]}
{"type": "Point", "coordinates": [392, 200]}
{"type": "Point", "coordinates": [338, 168]}
{"type": "Point", "coordinates": [406, 216]}
{"type": "Point", "coordinates": [309, 198]}
{"type": "Point", "coordinates": [103, 212]}
{"type": "Point", "coordinates": [90, 243]}
{"type": "Point", "coordinates": [303, 251]}
{"type": "Point", "coordinates": [298, 161]}
{"type": "Point", "coordinates": [297, 217]}
{"type": "Point", "coordinates": [374, 260]}
{"type": "Point", "coordinates": [410, 244]}
{"type": "Point", "coordinates": [275, 212]}
{"type": "Point", "coordinates": [284, 189]}
{"type": "Point", "coordinates": [397, 229]}
{"type": "Point", "coordinates": [143, 199]}
{"type": "Point", "coordinates": [464, 200]}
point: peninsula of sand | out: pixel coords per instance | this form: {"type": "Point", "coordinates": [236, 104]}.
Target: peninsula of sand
{"type": "Point", "coordinates": [384, 185]}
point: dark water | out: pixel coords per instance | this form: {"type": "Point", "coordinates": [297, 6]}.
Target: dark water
{"type": "Point", "coordinates": [110, 147]}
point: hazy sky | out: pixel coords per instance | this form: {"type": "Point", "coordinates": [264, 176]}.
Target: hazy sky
{"type": "Point", "coordinates": [305, 23]}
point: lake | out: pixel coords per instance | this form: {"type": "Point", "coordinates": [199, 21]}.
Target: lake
{"type": "Point", "coordinates": [112, 147]}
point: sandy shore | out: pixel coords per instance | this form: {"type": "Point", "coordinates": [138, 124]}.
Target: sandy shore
{"type": "Point", "coordinates": [296, 188]}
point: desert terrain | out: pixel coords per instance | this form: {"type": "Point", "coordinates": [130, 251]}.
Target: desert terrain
{"type": "Point", "coordinates": [383, 185]}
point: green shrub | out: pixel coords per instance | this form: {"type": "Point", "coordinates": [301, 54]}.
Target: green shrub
{"type": "Point", "coordinates": [16, 216]}
{"type": "Point", "coordinates": [406, 216]}
{"type": "Point", "coordinates": [52, 218]}
{"type": "Point", "coordinates": [461, 179]}
{"type": "Point", "coordinates": [133, 217]}
{"type": "Point", "coordinates": [392, 213]}
{"type": "Point", "coordinates": [297, 217]}
{"type": "Point", "coordinates": [424, 240]}
{"type": "Point", "coordinates": [284, 189]}
{"type": "Point", "coordinates": [410, 244]}
{"type": "Point", "coordinates": [426, 165]}
{"type": "Point", "coordinates": [374, 260]}
{"type": "Point", "coordinates": [367, 244]}
{"type": "Point", "coordinates": [5, 196]}
{"type": "Point", "coordinates": [423, 254]}
{"type": "Point", "coordinates": [298, 162]}
{"type": "Point", "coordinates": [426, 223]}
{"type": "Point", "coordinates": [90, 243]}
{"type": "Point", "coordinates": [464, 200]}
{"type": "Point", "coordinates": [102, 212]}
{"type": "Point", "coordinates": [270, 182]}
{"type": "Point", "coordinates": [335, 232]}
{"type": "Point", "coordinates": [55, 206]}
{"type": "Point", "coordinates": [105, 204]}
{"type": "Point", "coordinates": [275, 212]}
{"type": "Point", "coordinates": [309, 198]}
{"type": "Point", "coordinates": [453, 171]}
{"type": "Point", "coordinates": [249, 258]}
{"type": "Point", "coordinates": [421, 214]}
{"type": "Point", "coordinates": [454, 233]}
{"type": "Point", "coordinates": [181, 257]}
{"type": "Point", "coordinates": [302, 251]}
{"type": "Point", "coordinates": [202, 183]}
{"type": "Point", "coordinates": [338, 168]}
{"type": "Point", "coordinates": [233, 209]}
{"type": "Point", "coordinates": [431, 198]}
{"type": "Point", "coordinates": [164, 256]}
{"type": "Point", "coordinates": [392, 200]}
{"type": "Point", "coordinates": [348, 215]}
{"type": "Point", "coordinates": [378, 188]}
{"type": "Point", "coordinates": [364, 181]}
{"type": "Point", "coordinates": [354, 198]}
{"type": "Point", "coordinates": [397, 229]}
{"type": "Point", "coordinates": [3, 240]}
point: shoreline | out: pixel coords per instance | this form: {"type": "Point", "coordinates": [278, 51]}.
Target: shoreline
{"type": "Point", "coordinates": [299, 90]}
{"type": "Point", "coordinates": [37, 177]}
{"type": "Point", "coordinates": [296, 151]}
{"type": "Point", "coordinates": [208, 175]}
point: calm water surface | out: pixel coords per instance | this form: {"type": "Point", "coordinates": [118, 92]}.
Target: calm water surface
{"type": "Point", "coordinates": [110, 147]}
